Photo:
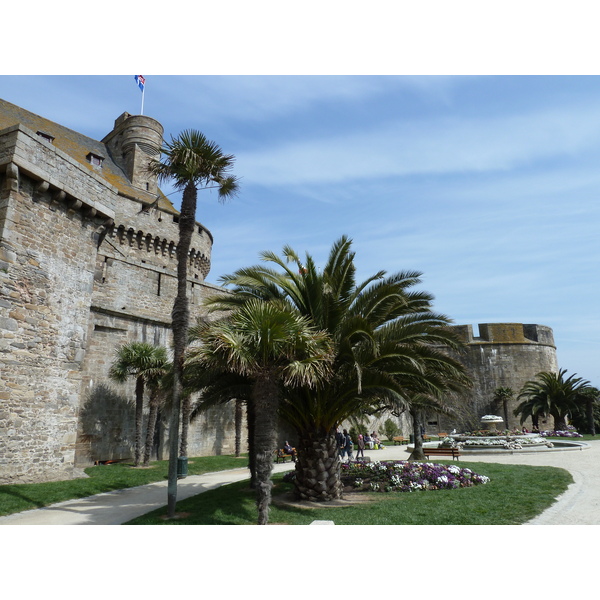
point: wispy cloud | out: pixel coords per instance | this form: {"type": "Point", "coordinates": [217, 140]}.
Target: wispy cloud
{"type": "Point", "coordinates": [432, 146]}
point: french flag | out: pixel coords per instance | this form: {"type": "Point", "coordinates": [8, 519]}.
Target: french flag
{"type": "Point", "coordinates": [141, 81]}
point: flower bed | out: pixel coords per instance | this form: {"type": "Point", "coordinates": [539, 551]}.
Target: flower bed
{"type": "Point", "coordinates": [508, 444]}
{"type": "Point", "coordinates": [492, 432]}
{"type": "Point", "coordinates": [404, 476]}
{"type": "Point", "coordinates": [569, 433]}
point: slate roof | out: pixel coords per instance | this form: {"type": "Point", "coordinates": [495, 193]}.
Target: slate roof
{"type": "Point", "coordinates": [78, 146]}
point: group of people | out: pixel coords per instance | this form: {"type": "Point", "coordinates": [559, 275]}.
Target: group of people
{"type": "Point", "coordinates": [372, 441]}
{"type": "Point", "coordinates": [346, 445]}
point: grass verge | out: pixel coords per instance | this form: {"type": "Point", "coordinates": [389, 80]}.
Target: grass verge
{"type": "Point", "coordinates": [103, 478]}
{"type": "Point", "coordinates": [515, 494]}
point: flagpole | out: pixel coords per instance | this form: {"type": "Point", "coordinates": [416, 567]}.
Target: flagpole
{"type": "Point", "coordinates": [143, 92]}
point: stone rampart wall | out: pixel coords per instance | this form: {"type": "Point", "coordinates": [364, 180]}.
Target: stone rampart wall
{"type": "Point", "coordinates": [47, 256]}
{"type": "Point", "coordinates": [503, 355]}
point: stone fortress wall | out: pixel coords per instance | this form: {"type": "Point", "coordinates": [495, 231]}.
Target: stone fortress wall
{"type": "Point", "coordinates": [87, 263]}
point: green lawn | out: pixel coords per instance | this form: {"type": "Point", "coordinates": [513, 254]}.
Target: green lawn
{"type": "Point", "coordinates": [515, 494]}
{"type": "Point", "coordinates": [19, 497]}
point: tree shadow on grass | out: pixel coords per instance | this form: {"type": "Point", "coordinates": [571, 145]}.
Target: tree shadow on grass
{"type": "Point", "coordinates": [233, 504]}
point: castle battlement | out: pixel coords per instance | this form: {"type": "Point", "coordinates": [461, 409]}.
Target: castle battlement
{"type": "Point", "coordinates": [506, 333]}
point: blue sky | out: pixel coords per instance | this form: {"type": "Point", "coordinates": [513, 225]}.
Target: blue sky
{"type": "Point", "coordinates": [488, 185]}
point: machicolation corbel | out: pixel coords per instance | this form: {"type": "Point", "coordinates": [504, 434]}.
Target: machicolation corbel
{"type": "Point", "coordinates": [12, 177]}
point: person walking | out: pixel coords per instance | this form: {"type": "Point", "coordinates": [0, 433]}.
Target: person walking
{"type": "Point", "coordinates": [349, 445]}
{"type": "Point", "coordinates": [361, 447]}
{"type": "Point", "coordinates": [341, 444]}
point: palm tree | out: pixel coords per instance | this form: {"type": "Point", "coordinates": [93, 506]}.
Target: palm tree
{"type": "Point", "coordinates": [552, 394]}
{"type": "Point", "coordinates": [382, 332]}
{"type": "Point", "coordinates": [273, 347]}
{"type": "Point", "coordinates": [531, 407]}
{"type": "Point", "coordinates": [144, 362]}
{"type": "Point", "coordinates": [155, 382]}
{"type": "Point", "coordinates": [191, 162]}
{"type": "Point", "coordinates": [503, 395]}
{"type": "Point", "coordinates": [218, 389]}
{"type": "Point", "coordinates": [591, 396]}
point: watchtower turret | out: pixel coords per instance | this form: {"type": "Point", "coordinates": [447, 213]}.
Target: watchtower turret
{"type": "Point", "coordinates": [134, 142]}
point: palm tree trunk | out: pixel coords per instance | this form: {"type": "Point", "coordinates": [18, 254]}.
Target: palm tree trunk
{"type": "Point", "coordinates": [417, 453]}
{"type": "Point", "coordinates": [318, 475]}
{"type": "Point", "coordinates": [560, 423]}
{"type": "Point", "coordinates": [589, 408]}
{"type": "Point", "coordinates": [251, 454]}
{"type": "Point", "coordinates": [139, 419]}
{"type": "Point", "coordinates": [238, 426]}
{"type": "Point", "coordinates": [186, 412]}
{"type": "Point", "coordinates": [151, 430]}
{"type": "Point", "coordinates": [180, 322]}
{"type": "Point", "coordinates": [266, 400]}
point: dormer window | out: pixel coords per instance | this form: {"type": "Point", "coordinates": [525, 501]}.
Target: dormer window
{"type": "Point", "coordinates": [94, 159]}
{"type": "Point", "coordinates": [46, 136]}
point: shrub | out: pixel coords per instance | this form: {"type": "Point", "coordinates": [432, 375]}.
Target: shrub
{"type": "Point", "coordinates": [390, 429]}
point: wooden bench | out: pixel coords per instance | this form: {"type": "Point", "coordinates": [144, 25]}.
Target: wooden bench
{"type": "Point", "coordinates": [439, 436]}
{"type": "Point", "coordinates": [281, 454]}
{"type": "Point", "coordinates": [399, 439]}
{"type": "Point", "coordinates": [453, 452]}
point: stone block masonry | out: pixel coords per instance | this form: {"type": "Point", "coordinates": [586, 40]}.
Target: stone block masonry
{"type": "Point", "coordinates": [87, 263]}
{"type": "Point", "coordinates": [48, 256]}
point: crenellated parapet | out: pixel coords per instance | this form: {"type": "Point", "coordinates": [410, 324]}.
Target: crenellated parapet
{"type": "Point", "coordinates": [506, 333]}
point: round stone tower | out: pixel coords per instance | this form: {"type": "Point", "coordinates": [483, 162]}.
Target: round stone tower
{"type": "Point", "coordinates": [503, 355]}
{"type": "Point", "coordinates": [135, 140]}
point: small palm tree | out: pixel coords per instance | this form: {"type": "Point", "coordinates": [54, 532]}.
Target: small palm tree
{"type": "Point", "coordinates": [273, 347]}
{"type": "Point", "coordinates": [191, 162]}
{"type": "Point", "coordinates": [146, 363]}
{"type": "Point", "coordinates": [383, 333]}
{"type": "Point", "coordinates": [217, 389]}
{"type": "Point", "coordinates": [552, 394]}
{"type": "Point", "coordinates": [155, 382]}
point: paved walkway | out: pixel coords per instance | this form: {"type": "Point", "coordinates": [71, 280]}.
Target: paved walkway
{"type": "Point", "coordinates": [579, 505]}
